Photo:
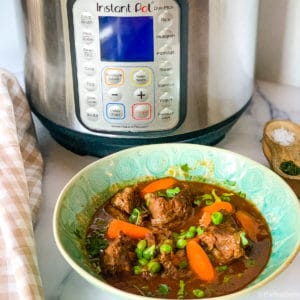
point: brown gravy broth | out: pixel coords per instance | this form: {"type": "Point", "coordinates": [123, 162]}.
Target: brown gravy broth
{"type": "Point", "coordinates": [231, 276]}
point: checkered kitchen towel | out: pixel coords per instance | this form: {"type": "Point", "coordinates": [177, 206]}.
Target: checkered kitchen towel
{"type": "Point", "coordinates": [20, 191]}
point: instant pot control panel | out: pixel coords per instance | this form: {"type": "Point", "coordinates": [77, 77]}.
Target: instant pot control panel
{"type": "Point", "coordinates": [127, 62]}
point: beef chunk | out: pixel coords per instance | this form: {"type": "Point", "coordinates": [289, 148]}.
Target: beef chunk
{"type": "Point", "coordinates": [126, 200]}
{"type": "Point", "coordinates": [169, 212]}
{"type": "Point", "coordinates": [157, 236]}
{"type": "Point", "coordinates": [119, 256]}
{"type": "Point", "coordinates": [205, 220]}
{"type": "Point", "coordinates": [170, 269]}
{"type": "Point", "coordinates": [223, 242]}
{"type": "Point", "coordinates": [116, 213]}
{"type": "Point", "coordinates": [171, 263]}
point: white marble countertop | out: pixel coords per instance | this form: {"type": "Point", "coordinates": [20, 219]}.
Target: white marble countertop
{"type": "Point", "coordinates": [61, 282]}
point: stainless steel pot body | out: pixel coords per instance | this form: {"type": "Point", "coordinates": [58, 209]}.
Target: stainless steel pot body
{"type": "Point", "coordinates": [214, 66]}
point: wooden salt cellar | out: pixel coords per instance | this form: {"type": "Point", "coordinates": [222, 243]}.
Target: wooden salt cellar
{"type": "Point", "coordinates": [277, 153]}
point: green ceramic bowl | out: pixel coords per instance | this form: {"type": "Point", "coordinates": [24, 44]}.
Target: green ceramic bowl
{"type": "Point", "coordinates": [93, 185]}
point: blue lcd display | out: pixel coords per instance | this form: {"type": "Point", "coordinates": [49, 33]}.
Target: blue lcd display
{"type": "Point", "coordinates": [126, 39]}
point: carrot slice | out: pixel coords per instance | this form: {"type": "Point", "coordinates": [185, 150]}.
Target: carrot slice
{"type": "Point", "coordinates": [159, 184]}
{"type": "Point", "coordinates": [217, 206]}
{"type": "Point", "coordinates": [249, 224]}
{"type": "Point", "coordinates": [134, 231]}
{"type": "Point", "coordinates": [199, 261]}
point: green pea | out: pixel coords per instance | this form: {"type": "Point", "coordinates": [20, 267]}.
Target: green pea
{"type": "Point", "coordinates": [181, 244]}
{"type": "Point", "coordinates": [143, 261]}
{"type": "Point", "coordinates": [164, 289]}
{"type": "Point", "coordinates": [217, 217]}
{"type": "Point", "coordinates": [199, 230]}
{"type": "Point", "coordinates": [137, 270]}
{"type": "Point", "coordinates": [154, 267]}
{"type": "Point", "coordinates": [190, 235]}
{"type": "Point", "coordinates": [138, 252]}
{"type": "Point", "coordinates": [142, 244]}
{"type": "Point", "coordinates": [193, 229]}
{"type": "Point", "coordinates": [165, 248]}
{"type": "Point", "coordinates": [198, 293]}
{"type": "Point", "coordinates": [149, 252]}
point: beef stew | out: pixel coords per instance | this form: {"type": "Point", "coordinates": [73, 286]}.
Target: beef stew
{"type": "Point", "coordinates": [173, 239]}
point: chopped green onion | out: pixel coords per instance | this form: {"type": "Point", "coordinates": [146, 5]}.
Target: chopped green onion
{"type": "Point", "coordinates": [242, 195]}
{"type": "Point", "coordinates": [165, 248]}
{"type": "Point", "coordinates": [135, 215]}
{"type": "Point", "coordinates": [221, 268]}
{"type": "Point", "coordinates": [250, 262]}
{"type": "Point", "coordinates": [244, 240]}
{"type": "Point", "coordinates": [226, 196]}
{"type": "Point", "coordinates": [209, 202]}
{"type": "Point", "coordinates": [149, 252]}
{"type": "Point", "coordinates": [181, 244]}
{"type": "Point", "coordinates": [216, 197]}
{"type": "Point", "coordinates": [181, 292]}
{"type": "Point", "coordinates": [217, 217]}
{"type": "Point", "coordinates": [229, 182]}
{"type": "Point", "coordinates": [153, 267]}
{"type": "Point", "coordinates": [197, 201]}
{"type": "Point", "coordinates": [208, 198]}
{"type": "Point", "coordinates": [226, 279]}
{"type": "Point", "coordinates": [164, 289]}
{"type": "Point", "coordinates": [172, 192]}
{"type": "Point", "coordinates": [185, 168]}
{"type": "Point", "coordinates": [198, 293]}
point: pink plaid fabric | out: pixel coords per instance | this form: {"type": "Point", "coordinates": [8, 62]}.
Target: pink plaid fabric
{"type": "Point", "coordinates": [21, 168]}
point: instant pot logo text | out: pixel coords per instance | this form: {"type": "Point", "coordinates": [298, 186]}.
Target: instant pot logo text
{"type": "Point", "coordinates": [132, 8]}
{"type": "Point", "coordinates": [127, 8]}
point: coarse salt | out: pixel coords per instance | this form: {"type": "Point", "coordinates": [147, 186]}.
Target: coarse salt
{"type": "Point", "coordinates": [283, 137]}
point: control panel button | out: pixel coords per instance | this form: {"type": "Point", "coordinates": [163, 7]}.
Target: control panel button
{"type": "Point", "coordinates": [166, 114]}
{"type": "Point", "coordinates": [166, 84]}
{"type": "Point", "coordinates": [113, 76]}
{"type": "Point", "coordinates": [115, 111]}
{"type": "Point", "coordinates": [166, 99]}
{"type": "Point", "coordinates": [90, 84]}
{"type": "Point", "coordinates": [141, 111]}
{"type": "Point", "coordinates": [92, 114]}
{"type": "Point", "coordinates": [114, 94]}
{"type": "Point", "coordinates": [166, 68]}
{"type": "Point", "coordinates": [165, 52]}
{"type": "Point", "coordinates": [141, 95]}
{"type": "Point", "coordinates": [141, 77]}
{"type": "Point", "coordinates": [91, 99]}
{"type": "Point", "coordinates": [166, 18]}
{"type": "Point", "coordinates": [87, 37]}
{"type": "Point", "coordinates": [166, 35]}
{"type": "Point", "coordinates": [89, 68]}
{"type": "Point", "coordinates": [88, 52]}
{"type": "Point", "coordinates": [86, 19]}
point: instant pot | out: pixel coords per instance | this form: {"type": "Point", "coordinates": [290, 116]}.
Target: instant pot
{"type": "Point", "coordinates": [105, 75]}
